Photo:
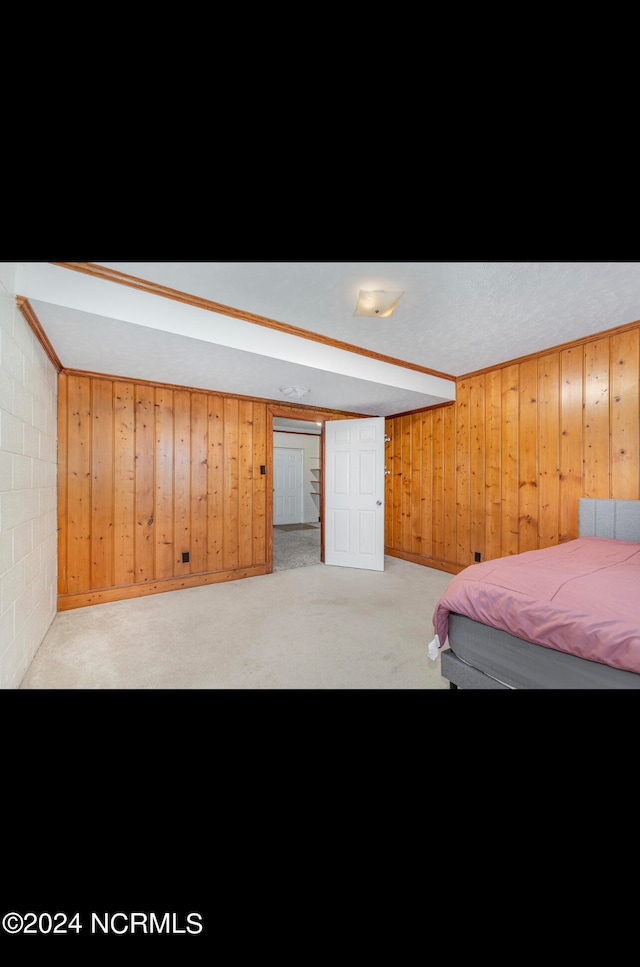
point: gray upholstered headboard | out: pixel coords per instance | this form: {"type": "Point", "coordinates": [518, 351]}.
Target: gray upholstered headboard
{"type": "Point", "coordinates": [619, 519]}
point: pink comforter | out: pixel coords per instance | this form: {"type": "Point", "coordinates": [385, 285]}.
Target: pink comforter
{"type": "Point", "coordinates": [582, 597]}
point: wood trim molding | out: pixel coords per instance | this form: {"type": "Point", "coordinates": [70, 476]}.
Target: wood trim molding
{"type": "Point", "coordinates": [425, 561]}
{"type": "Point", "coordinates": [286, 410]}
{"type": "Point", "coordinates": [27, 311]}
{"type": "Point", "coordinates": [423, 409]}
{"type": "Point", "coordinates": [583, 341]}
{"type": "Point", "coordinates": [291, 411]}
{"type": "Point", "coordinates": [85, 599]}
{"type": "Point", "coordinates": [109, 275]}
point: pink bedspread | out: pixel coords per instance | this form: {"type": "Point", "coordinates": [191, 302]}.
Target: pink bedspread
{"type": "Point", "coordinates": [582, 597]}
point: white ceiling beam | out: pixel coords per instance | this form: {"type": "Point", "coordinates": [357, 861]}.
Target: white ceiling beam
{"type": "Point", "coordinates": [41, 281]}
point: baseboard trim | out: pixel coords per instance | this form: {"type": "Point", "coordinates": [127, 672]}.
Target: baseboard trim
{"type": "Point", "coordinates": [425, 561]}
{"type": "Point", "coordinates": [68, 602]}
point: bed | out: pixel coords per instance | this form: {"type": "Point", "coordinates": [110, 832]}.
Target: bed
{"type": "Point", "coordinates": [562, 617]}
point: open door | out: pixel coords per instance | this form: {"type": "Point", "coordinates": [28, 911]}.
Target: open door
{"type": "Point", "coordinates": [354, 486]}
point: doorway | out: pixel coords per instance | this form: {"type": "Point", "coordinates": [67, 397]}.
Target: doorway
{"type": "Point", "coordinates": [349, 466]}
{"type": "Point", "coordinates": [297, 509]}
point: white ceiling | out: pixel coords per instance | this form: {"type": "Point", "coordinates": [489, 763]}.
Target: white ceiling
{"type": "Point", "coordinates": [454, 318]}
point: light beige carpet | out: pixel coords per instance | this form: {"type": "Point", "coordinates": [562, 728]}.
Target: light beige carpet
{"type": "Point", "coordinates": [316, 627]}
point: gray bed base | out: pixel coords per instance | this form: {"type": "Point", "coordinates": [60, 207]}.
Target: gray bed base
{"type": "Point", "coordinates": [480, 657]}
{"type": "Point", "coordinates": [461, 675]}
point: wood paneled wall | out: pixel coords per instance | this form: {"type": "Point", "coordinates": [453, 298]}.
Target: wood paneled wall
{"type": "Point", "coordinates": [147, 473]}
{"type": "Point", "coordinates": [500, 471]}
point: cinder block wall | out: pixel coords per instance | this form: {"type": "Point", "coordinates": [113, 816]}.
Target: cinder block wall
{"type": "Point", "coordinates": [28, 491]}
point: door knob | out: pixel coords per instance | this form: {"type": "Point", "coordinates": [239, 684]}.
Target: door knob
{"type": "Point", "coordinates": [379, 503]}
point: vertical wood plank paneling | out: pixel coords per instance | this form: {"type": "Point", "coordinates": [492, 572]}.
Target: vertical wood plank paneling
{"type": "Point", "coordinates": [437, 486]}
{"type": "Point", "coordinates": [102, 484]}
{"type": "Point", "coordinates": [164, 494]}
{"type": "Point", "coordinates": [493, 467]}
{"type": "Point", "coordinates": [231, 483]}
{"type": "Point", "coordinates": [63, 476]}
{"type": "Point", "coordinates": [418, 455]}
{"type": "Point", "coordinates": [148, 472]}
{"type": "Point", "coordinates": [552, 428]}
{"type": "Point", "coordinates": [450, 485]}
{"type": "Point", "coordinates": [510, 460]}
{"type": "Point", "coordinates": [597, 420]}
{"type": "Point", "coordinates": [215, 486]}
{"type": "Point", "coordinates": [528, 456]}
{"type": "Point", "coordinates": [407, 463]}
{"type": "Point", "coordinates": [625, 406]}
{"type": "Point", "coordinates": [389, 427]}
{"type": "Point", "coordinates": [397, 471]}
{"type": "Point", "coordinates": [476, 540]}
{"type": "Point", "coordinates": [425, 444]}
{"type": "Point", "coordinates": [145, 484]}
{"type": "Point", "coordinates": [199, 458]}
{"type": "Point", "coordinates": [182, 482]}
{"type": "Point", "coordinates": [79, 486]}
{"type": "Point", "coordinates": [549, 450]}
{"type": "Point", "coordinates": [245, 483]}
{"type": "Point", "coordinates": [463, 498]}
{"type": "Point", "coordinates": [403, 483]}
{"type": "Point", "coordinates": [259, 524]}
{"type": "Point", "coordinates": [571, 390]}
{"type": "Point", "coordinates": [124, 484]}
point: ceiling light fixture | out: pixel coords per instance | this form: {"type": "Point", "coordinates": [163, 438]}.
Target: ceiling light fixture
{"type": "Point", "coordinates": [295, 392]}
{"type": "Point", "coordinates": [377, 303]}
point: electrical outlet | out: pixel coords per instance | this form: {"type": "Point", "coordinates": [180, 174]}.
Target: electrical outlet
{"type": "Point", "coordinates": [477, 557]}
{"type": "Point", "coordinates": [185, 557]}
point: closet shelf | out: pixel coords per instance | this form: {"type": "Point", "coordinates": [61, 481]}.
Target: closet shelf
{"type": "Point", "coordinates": [316, 481]}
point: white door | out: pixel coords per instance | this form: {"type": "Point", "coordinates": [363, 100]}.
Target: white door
{"type": "Point", "coordinates": [287, 485]}
{"type": "Point", "coordinates": [354, 493]}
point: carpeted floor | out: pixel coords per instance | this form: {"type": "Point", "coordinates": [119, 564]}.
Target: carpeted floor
{"type": "Point", "coordinates": [295, 545]}
{"type": "Point", "coordinates": [314, 627]}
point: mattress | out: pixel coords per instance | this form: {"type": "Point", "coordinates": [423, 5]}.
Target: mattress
{"type": "Point", "coordinates": [517, 663]}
